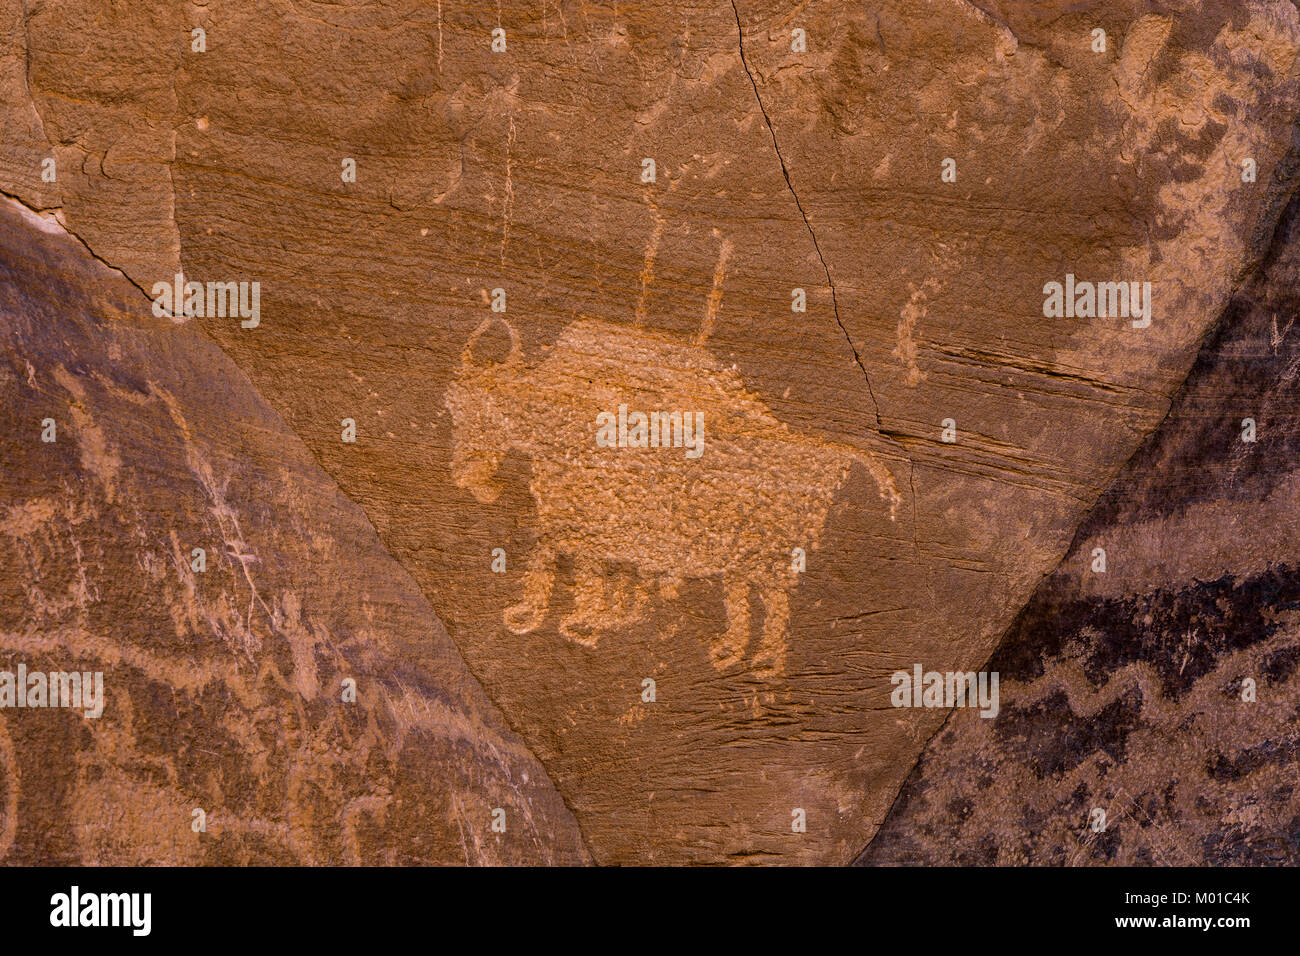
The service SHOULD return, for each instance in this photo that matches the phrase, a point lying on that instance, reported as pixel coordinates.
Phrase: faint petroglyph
(911, 314)
(97, 456)
(715, 297)
(508, 202)
(651, 251)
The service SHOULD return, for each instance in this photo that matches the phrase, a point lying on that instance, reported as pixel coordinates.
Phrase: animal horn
(516, 349)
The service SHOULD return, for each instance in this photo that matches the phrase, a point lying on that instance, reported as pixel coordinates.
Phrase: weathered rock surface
(223, 684)
(1125, 690)
(776, 171)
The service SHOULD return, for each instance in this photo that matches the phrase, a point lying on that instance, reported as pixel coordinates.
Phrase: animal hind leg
(529, 613)
(728, 648)
(770, 658)
(582, 626)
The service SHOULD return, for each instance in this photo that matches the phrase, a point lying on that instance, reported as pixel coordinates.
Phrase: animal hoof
(522, 618)
(724, 657)
(769, 670)
(578, 637)
(769, 665)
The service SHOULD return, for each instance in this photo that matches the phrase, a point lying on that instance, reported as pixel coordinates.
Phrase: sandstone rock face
(223, 686)
(1127, 691)
(824, 228)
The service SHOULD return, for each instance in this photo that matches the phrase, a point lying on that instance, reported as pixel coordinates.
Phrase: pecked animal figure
(756, 491)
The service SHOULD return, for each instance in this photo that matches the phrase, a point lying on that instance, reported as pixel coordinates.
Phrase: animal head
(478, 401)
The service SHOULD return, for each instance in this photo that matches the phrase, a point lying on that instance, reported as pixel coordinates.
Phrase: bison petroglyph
(733, 514)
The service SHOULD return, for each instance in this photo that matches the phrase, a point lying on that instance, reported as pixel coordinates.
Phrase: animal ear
(516, 349)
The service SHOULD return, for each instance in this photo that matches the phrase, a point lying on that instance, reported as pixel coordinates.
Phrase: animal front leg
(770, 658)
(627, 607)
(728, 648)
(529, 613)
(582, 626)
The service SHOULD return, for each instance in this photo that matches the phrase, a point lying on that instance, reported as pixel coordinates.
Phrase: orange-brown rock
(914, 176)
(223, 673)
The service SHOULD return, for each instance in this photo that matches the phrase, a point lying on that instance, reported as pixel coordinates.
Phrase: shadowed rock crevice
(223, 672)
(48, 214)
(785, 172)
(1123, 690)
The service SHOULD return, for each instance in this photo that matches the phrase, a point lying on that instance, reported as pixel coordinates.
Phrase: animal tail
(883, 478)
